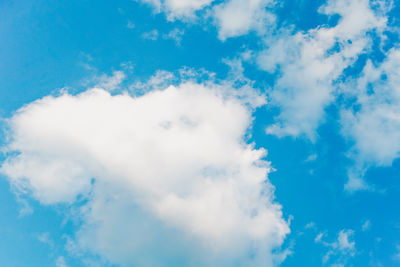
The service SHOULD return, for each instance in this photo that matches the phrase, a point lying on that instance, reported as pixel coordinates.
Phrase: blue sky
(199, 133)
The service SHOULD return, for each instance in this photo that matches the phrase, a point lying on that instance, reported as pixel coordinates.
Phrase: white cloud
(45, 239)
(151, 35)
(243, 87)
(372, 123)
(110, 83)
(167, 175)
(233, 17)
(184, 8)
(238, 17)
(310, 225)
(340, 250)
(376, 126)
(319, 237)
(355, 180)
(156, 4)
(366, 226)
(60, 262)
(178, 9)
(344, 243)
(161, 79)
(308, 65)
(311, 158)
(175, 34)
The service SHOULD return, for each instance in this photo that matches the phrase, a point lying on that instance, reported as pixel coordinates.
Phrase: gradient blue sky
(48, 46)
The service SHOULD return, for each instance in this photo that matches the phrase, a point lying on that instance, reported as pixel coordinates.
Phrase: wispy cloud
(151, 35)
(340, 250)
(176, 35)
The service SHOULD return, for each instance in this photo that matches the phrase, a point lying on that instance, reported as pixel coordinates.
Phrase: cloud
(355, 180)
(375, 125)
(176, 35)
(243, 88)
(60, 262)
(372, 121)
(310, 69)
(340, 250)
(46, 239)
(396, 256)
(319, 237)
(130, 25)
(310, 225)
(178, 9)
(233, 18)
(366, 226)
(184, 8)
(110, 83)
(308, 64)
(167, 177)
(237, 17)
(344, 243)
(151, 35)
(311, 158)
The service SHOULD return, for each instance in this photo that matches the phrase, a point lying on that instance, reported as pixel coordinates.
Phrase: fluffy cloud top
(167, 176)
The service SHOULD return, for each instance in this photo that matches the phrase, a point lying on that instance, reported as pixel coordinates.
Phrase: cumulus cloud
(308, 64)
(167, 177)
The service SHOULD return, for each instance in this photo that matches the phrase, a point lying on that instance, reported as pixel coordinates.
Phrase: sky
(199, 133)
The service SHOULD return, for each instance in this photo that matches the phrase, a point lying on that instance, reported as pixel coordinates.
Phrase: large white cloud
(168, 177)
